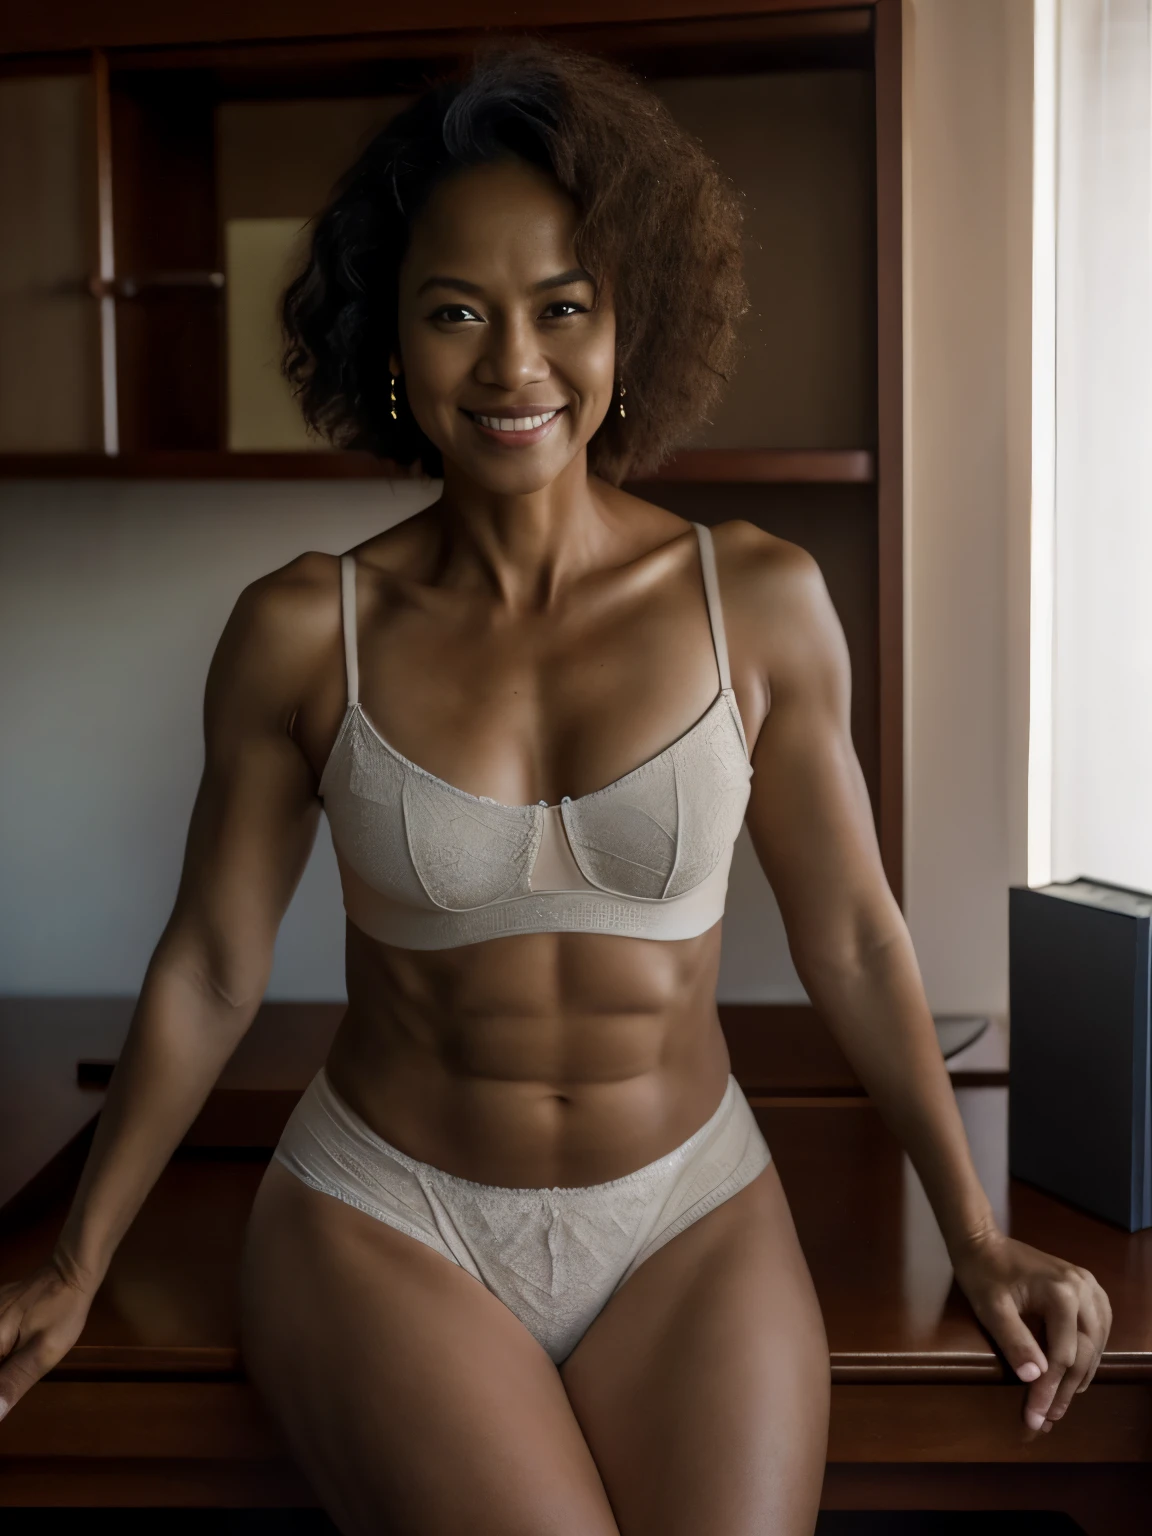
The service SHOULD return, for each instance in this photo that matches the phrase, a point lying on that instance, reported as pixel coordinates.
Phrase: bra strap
(348, 610)
(712, 594)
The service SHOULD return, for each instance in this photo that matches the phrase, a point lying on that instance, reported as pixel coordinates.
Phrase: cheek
(433, 376)
(599, 359)
(594, 371)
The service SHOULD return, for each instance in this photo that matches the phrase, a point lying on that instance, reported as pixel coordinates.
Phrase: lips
(516, 431)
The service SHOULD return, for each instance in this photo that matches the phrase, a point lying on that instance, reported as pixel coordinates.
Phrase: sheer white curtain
(1091, 784)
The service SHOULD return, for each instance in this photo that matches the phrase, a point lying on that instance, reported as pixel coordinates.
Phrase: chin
(522, 479)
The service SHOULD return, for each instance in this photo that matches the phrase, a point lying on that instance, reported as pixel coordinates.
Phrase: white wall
(112, 597)
(967, 104)
(1101, 823)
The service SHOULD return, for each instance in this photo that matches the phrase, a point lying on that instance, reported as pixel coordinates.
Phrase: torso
(545, 1058)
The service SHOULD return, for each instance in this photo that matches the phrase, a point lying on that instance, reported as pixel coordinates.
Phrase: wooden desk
(151, 1406)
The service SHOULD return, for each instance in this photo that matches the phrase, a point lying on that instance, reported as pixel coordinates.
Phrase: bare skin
(537, 633)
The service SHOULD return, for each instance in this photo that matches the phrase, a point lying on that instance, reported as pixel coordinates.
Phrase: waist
(532, 1060)
(584, 1121)
(490, 1166)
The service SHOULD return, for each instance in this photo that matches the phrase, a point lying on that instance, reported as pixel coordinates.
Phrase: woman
(522, 1262)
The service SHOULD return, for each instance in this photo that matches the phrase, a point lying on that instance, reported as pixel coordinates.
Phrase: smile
(515, 431)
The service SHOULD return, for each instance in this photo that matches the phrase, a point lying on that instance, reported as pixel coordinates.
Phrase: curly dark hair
(655, 215)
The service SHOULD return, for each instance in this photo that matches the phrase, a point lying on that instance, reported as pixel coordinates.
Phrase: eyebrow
(561, 280)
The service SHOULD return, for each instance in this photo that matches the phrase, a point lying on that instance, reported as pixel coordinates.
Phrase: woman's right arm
(251, 831)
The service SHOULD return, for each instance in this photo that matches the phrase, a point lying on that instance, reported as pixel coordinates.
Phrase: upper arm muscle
(256, 812)
(809, 815)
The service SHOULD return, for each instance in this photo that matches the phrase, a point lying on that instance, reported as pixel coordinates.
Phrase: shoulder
(778, 610)
(281, 628)
(760, 571)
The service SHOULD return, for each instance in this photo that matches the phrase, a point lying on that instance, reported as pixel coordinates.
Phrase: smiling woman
(654, 226)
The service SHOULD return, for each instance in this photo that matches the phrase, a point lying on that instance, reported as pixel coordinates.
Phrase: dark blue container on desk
(1080, 1052)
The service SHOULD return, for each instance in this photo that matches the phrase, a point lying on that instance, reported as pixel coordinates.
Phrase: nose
(511, 357)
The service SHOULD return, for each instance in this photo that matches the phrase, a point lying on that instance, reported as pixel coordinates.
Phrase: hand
(40, 1320)
(1005, 1281)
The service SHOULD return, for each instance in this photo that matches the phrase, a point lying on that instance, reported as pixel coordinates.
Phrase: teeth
(514, 423)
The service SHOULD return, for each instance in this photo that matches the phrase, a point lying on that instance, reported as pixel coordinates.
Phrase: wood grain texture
(781, 466)
(50, 351)
(890, 435)
(939, 1423)
(1106, 1499)
(79, 1482)
(169, 342)
(874, 1425)
(62, 25)
(891, 1307)
(220, 1421)
(689, 45)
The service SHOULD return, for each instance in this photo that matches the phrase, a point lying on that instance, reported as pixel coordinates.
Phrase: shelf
(781, 466)
(703, 465)
(241, 27)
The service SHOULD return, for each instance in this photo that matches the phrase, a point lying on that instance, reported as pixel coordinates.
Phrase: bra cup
(712, 774)
(368, 820)
(624, 838)
(467, 852)
(663, 830)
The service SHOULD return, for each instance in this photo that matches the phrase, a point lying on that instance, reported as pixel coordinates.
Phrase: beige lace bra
(425, 865)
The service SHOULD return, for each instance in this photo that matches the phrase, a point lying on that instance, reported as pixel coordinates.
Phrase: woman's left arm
(811, 824)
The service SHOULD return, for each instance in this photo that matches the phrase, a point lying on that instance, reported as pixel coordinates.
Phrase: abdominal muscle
(533, 1060)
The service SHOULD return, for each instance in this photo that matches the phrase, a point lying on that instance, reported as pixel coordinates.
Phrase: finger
(1060, 1315)
(1073, 1377)
(10, 1330)
(1016, 1339)
(1101, 1312)
(22, 1369)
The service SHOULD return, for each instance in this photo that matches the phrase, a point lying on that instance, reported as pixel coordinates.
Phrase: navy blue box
(1080, 1033)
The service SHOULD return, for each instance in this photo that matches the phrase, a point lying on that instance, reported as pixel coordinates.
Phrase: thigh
(414, 1401)
(703, 1386)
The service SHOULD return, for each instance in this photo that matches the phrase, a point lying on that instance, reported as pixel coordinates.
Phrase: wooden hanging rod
(131, 287)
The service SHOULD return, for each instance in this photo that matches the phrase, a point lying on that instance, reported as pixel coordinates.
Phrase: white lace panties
(552, 1256)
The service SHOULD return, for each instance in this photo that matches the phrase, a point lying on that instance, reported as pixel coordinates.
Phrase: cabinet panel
(49, 327)
(801, 149)
(169, 316)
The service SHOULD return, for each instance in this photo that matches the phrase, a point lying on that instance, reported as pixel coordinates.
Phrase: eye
(562, 309)
(454, 314)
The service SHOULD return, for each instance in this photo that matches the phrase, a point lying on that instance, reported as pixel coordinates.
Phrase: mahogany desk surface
(156, 1378)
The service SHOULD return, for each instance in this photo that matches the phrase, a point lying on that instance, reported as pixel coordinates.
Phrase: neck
(525, 547)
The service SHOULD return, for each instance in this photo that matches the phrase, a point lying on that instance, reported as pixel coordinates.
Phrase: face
(506, 348)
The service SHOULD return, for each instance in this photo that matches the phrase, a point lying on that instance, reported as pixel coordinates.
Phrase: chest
(542, 707)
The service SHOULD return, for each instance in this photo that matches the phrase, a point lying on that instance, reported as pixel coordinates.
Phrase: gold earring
(393, 379)
(622, 392)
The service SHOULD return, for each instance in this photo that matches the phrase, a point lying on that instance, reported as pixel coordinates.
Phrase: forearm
(880, 1018)
(180, 1037)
